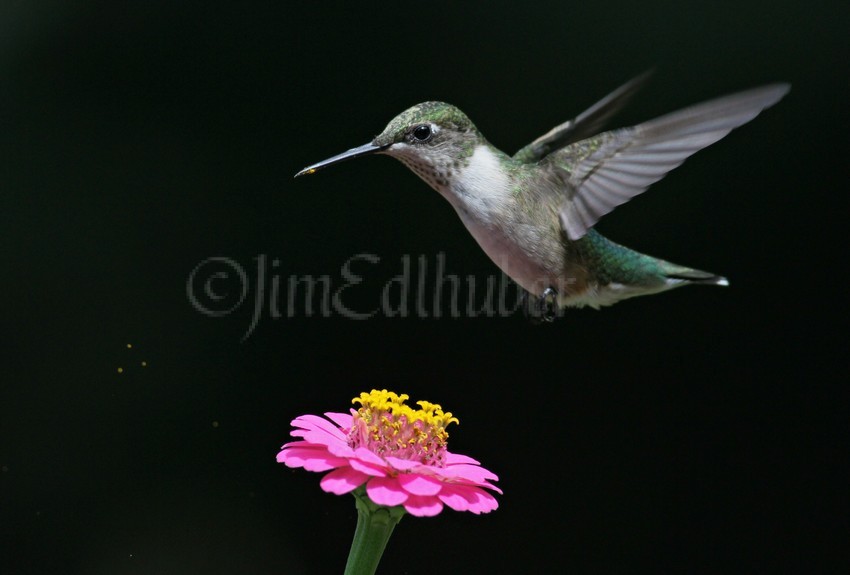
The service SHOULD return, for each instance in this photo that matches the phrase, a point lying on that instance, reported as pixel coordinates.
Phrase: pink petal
(310, 458)
(320, 435)
(301, 446)
(403, 464)
(367, 468)
(468, 498)
(472, 473)
(343, 420)
(489, 485)
(455, 498)
(455, 458)
(386, 491)
(423, 506)
(301, 443)
(368, 456)
(312, 422)
(342, 480)
(416, 484)
(341, 450)
(485, 503)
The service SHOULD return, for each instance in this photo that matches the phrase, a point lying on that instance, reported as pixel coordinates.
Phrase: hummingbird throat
(435, 176)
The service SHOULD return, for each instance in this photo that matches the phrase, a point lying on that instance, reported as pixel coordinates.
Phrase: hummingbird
(534, 213)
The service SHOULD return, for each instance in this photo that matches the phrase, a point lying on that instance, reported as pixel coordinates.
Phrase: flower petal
(343, 420)
(318, 430)
(455, 498)
(311, 458)
(310, 421)
(368, 456)
(468, 498)
(300, 443)
(368, 469)
(421, 506)
(402, 464)
(485, 502)
(474, 473)
(455, 458)
(341, 450)
(416, 484)
(490, 486)
(386, 491)
(342, 480)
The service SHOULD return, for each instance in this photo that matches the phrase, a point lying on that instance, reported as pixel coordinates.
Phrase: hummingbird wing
(586, 124)
(610, 169)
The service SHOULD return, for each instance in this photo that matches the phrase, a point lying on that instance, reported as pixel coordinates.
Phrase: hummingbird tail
(692, 276)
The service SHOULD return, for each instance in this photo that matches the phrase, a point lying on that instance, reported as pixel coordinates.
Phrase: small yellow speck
(129, 345)
(120, 370)
(215, 424)
(144, 364)
(312, 171)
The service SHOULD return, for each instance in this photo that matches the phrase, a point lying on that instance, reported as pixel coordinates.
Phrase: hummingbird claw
(542, 308)
(548, 304)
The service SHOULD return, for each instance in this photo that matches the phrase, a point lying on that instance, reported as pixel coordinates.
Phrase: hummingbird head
(432, 138)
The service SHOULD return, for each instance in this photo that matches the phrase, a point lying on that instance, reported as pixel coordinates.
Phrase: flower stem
(375, 524)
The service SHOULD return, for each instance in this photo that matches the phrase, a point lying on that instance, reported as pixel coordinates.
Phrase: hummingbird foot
(542, 308)
(548, 304)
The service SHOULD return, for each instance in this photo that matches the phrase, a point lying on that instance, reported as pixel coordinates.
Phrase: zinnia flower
(397, 453)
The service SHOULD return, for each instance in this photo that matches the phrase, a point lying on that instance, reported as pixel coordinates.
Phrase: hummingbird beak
(363, 150)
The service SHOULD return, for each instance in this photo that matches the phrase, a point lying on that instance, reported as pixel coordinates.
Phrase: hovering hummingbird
(533, 213)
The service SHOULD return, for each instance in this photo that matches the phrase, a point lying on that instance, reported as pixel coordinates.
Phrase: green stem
(375, 524)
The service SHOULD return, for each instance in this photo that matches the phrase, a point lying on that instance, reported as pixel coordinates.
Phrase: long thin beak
(363, 150)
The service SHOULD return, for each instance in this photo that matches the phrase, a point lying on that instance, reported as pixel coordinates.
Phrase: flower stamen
(385, 425)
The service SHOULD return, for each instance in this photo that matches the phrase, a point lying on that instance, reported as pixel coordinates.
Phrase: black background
(698, 431)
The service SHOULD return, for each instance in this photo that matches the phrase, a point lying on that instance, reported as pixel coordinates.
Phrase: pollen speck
(120, 370)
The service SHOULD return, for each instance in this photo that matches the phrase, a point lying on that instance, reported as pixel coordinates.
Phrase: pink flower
(398, 453)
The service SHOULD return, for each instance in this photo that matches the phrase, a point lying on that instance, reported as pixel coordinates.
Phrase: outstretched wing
(608, 170)
(586, 124)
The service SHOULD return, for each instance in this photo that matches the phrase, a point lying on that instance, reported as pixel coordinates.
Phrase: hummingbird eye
(422, 133)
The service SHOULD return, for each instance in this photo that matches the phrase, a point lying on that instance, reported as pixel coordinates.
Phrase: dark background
(698, 431)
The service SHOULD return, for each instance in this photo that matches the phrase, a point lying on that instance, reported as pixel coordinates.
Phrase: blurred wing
(586, 124)
(610, 169)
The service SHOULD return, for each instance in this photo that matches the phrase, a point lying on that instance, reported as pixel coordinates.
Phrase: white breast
(480, 190)
(482, 194)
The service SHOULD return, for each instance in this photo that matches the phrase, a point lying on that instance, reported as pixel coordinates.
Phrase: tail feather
(693, 276)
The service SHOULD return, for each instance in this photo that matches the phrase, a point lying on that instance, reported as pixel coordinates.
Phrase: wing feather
(586, 124)
(608, 170)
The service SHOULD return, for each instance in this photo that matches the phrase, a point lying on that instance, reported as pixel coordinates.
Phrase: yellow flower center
(386, 426)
